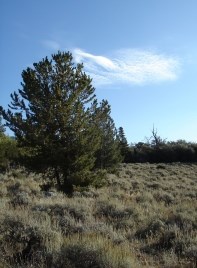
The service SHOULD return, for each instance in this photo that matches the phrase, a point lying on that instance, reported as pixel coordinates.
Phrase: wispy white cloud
(129, 66)
(50, 44)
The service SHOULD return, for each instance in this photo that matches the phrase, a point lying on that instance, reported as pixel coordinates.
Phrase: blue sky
(141, 54)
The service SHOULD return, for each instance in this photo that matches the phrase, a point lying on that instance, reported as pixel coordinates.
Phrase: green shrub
(8, 152)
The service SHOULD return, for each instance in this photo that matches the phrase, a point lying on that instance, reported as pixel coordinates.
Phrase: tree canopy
(57, 120)
(123, 145)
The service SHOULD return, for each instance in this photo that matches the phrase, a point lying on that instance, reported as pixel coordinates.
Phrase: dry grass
(145, 217)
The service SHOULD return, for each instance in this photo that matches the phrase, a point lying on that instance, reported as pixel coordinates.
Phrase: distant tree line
(158, 150)
(61, 130)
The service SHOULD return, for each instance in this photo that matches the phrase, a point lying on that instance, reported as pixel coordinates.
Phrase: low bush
(147, 220)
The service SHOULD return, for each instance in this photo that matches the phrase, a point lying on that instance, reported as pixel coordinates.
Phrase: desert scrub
(22, 182)
(113, 211)
(23, 235)
(153, 228)
(94, 251)
(20, 199)
(144, 197)
(78, 208)
(162, 196)
(145, 216)
(3, 189)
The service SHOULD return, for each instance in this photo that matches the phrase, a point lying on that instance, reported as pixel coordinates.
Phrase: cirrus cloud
(128, 66)
(51, 44)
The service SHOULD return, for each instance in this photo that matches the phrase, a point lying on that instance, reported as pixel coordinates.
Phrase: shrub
(8, 152)
(154, 227)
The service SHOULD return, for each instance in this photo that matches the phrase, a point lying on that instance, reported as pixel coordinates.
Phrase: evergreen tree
(53, 117)
(123, 144)
(108, 154)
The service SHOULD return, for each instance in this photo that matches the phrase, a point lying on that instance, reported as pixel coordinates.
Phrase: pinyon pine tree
(108, 153)
(55, 120)
(123, 145)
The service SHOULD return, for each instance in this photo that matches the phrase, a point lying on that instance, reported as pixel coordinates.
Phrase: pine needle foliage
(55, 117)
